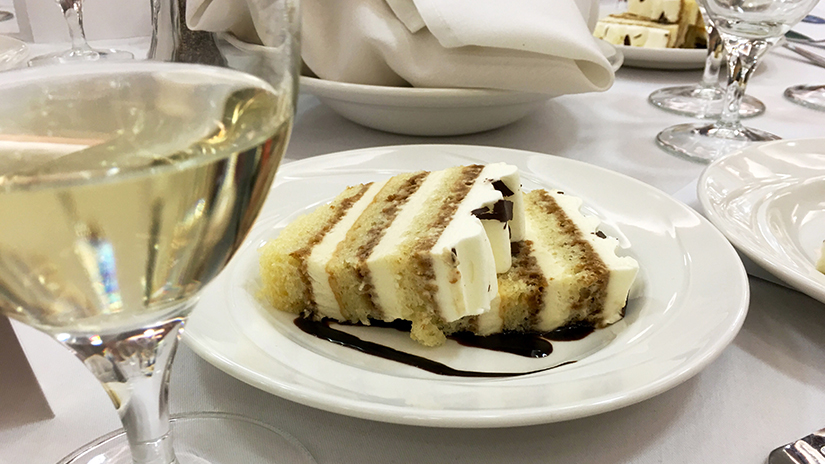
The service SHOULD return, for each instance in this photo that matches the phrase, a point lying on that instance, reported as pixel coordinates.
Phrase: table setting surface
(765, 389)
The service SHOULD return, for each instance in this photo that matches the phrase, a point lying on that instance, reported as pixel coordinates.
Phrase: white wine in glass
(124, 189)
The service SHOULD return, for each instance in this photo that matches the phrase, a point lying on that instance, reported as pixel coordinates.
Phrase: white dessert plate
(663, 58)
(656, 58)
(431, 112)
(688, 303)
(769, 200)
(12, 53)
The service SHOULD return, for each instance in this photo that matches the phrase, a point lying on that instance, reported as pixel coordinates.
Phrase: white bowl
(426, 111)
(419, 111)
(663, 58)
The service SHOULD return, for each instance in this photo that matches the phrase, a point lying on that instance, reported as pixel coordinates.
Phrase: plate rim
(648, 58)
(390, 96)
(526, 416)
(801, 282)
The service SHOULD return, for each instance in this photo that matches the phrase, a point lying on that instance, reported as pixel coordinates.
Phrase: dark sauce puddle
(528, 345)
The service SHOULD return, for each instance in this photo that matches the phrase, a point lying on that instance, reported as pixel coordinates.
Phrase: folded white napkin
(542, 46)
(246, 19)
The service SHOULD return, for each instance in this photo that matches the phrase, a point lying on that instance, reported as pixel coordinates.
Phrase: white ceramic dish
(431, 112)
(688, 303)
(769, 200)
(655, 58)
(663, 58)
(12, 53)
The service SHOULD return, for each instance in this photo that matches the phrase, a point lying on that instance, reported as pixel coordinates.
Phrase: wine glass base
(809, 96)
(703, 143)
(80, 56)
(701, 102)
(205, 438)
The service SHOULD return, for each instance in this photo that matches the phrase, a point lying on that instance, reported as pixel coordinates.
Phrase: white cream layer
(501, 234)
(325, 300)
(468, 287)
(622, 269)
(639, 35)
(511, 178)
(383, 261)
(481, 249)
(560, 289)
(654, 9)
(463, 289)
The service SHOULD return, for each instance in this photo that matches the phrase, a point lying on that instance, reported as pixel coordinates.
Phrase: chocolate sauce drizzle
(528, 345)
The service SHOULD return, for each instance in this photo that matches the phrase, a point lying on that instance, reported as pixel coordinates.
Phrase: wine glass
(125, 187)
(810, 96)
(704, 100)
(81, 50)
(748, 28)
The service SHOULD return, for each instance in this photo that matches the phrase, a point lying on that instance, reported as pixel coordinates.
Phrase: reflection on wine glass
(704, 100)
(124, 189)
(810, 96)
(81, 50)
(748, 29)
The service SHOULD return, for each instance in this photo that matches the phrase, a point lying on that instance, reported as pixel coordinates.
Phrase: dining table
(765, 389)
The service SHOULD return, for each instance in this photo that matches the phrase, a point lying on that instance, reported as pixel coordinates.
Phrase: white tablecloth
(767, 388)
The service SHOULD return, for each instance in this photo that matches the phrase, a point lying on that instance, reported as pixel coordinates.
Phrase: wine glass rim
(190, 74)
(29, 75)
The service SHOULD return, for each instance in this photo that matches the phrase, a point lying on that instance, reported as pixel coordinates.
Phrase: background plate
(769, 200)
(688, 303)
(663, 58)
(654, 58)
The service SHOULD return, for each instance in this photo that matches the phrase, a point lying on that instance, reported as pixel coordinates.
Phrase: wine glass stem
(713, 62)
(134, 369)
(73, 13)
(742, 57)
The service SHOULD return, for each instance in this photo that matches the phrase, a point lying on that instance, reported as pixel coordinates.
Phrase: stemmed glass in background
(810, 96)
(748, 28)
(125, 188)
(704, 100)
(81, 50)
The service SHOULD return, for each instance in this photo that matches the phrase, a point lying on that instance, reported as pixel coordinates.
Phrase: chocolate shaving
(502, 211)
(502, 187)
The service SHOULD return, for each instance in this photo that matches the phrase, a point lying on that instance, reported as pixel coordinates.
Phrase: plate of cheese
(657, 34)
